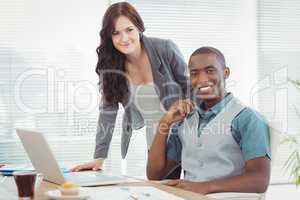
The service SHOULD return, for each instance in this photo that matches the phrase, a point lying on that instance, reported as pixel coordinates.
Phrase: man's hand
(177, 112)
(94, 165)
(197, 187)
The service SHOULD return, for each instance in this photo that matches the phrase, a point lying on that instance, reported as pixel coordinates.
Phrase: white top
(148, 103)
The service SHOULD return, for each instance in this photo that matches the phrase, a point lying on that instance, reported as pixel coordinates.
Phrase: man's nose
(202, 77)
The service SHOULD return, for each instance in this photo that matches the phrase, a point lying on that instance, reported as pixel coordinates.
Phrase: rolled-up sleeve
(253, 134)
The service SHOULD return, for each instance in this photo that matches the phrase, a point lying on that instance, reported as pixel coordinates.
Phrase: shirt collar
(216, 108)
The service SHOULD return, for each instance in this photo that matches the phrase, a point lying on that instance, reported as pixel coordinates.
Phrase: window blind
(47, 79)
(278, 28)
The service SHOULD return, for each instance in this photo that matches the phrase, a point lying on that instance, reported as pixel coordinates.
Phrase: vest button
(201, 164)
(199, 144)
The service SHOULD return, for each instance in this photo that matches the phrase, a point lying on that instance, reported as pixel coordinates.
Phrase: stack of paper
(236, 196)
(130, 193)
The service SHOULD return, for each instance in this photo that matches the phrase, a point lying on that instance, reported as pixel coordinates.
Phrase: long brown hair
(111, 62)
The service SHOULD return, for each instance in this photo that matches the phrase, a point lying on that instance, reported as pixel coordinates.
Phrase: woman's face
(125, 36)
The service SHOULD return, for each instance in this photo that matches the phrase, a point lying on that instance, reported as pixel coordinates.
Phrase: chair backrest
(275, 138)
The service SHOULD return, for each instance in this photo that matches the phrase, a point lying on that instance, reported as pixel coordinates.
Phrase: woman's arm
(106, 123)
(179, 67)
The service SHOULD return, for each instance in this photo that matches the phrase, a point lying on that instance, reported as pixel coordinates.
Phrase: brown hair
(111, 62)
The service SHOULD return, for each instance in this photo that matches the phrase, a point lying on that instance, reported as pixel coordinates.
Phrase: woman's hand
(94, 165)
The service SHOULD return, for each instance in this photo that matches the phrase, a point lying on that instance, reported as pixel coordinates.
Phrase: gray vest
(214, 154)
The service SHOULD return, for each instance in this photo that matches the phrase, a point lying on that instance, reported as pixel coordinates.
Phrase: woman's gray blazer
(169, 76)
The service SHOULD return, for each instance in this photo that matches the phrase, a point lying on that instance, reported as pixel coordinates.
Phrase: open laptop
(44, 162)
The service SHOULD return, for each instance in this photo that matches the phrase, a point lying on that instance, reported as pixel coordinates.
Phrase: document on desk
(7, 170)
(236, 196)
(130, 193)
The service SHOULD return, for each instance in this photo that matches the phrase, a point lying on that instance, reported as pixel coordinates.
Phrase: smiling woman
(131, 64)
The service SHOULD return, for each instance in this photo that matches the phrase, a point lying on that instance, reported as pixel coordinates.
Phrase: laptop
(44, 162)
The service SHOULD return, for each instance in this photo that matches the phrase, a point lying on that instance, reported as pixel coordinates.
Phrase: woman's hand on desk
(94, 165)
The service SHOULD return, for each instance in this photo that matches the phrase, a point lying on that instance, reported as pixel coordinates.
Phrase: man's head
(208, 72)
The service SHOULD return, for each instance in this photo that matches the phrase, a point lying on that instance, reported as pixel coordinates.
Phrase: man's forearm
(255, 179)
(249, 182)
(157, 154)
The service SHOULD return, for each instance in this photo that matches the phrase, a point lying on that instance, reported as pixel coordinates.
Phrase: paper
(236, 196)
(130, 193)
(8, 169)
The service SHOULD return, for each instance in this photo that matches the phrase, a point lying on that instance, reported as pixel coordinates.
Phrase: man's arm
(158, 165)
(254, 180)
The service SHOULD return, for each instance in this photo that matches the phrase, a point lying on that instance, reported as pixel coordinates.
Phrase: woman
(131, 65)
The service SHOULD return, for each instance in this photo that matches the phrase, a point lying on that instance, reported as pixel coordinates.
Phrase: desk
(8, 190)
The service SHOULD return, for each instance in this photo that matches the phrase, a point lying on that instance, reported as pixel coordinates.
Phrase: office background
(47, 62)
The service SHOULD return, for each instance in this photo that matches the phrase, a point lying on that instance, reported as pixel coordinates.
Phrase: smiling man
(222, 145)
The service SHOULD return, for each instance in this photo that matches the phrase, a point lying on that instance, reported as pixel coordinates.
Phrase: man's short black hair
(211, 50)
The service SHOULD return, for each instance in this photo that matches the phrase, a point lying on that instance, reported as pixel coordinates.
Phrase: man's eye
(210, 71)
(193, 73)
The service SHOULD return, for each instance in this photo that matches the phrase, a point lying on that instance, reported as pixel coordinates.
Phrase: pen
(133, 197)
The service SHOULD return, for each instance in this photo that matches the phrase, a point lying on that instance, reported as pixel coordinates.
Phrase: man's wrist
(164, 126)
(210, 187)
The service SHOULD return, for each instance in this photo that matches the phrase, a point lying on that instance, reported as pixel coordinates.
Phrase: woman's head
(120, 35)
(122, 26)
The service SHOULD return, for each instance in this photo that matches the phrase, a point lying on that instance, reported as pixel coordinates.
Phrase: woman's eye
(129, 30)
(115, 33)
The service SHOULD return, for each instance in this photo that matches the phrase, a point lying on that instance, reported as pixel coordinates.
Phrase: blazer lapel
(154, 58)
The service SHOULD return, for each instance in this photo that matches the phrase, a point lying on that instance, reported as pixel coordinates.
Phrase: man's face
(207, 77)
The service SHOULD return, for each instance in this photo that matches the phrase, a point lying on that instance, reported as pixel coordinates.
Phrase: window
(47, 79)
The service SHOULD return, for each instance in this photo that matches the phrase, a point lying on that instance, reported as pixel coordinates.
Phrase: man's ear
(226, 72)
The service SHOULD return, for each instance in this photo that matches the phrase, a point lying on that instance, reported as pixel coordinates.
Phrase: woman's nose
(124, 37)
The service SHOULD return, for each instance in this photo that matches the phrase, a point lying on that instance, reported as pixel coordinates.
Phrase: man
(222, 145)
